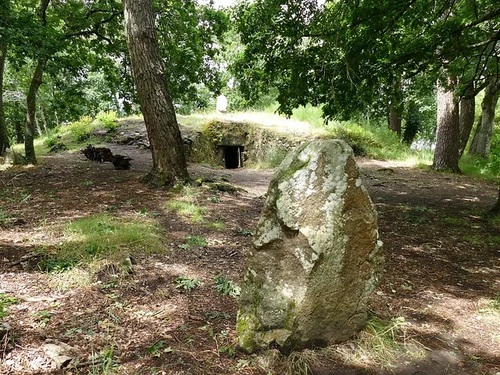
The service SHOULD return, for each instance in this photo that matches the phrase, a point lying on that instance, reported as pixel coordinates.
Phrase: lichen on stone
(317, 254)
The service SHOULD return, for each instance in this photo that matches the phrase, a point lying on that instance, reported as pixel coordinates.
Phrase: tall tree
(35, 83)
(481, 142)
(169, 163)
(30, 133)
(467, 112)
(59, 36)
(412, 122)
(446, 154)
(190, 36)
(4, 23)
(344, 55)
(396, 107)
(4, 139)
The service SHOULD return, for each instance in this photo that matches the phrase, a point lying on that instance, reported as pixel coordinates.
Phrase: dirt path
(441, 278)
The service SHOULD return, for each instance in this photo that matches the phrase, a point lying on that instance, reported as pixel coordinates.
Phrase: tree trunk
(169, 163)
(467, 111)
(19, 131)
(44, 120)
(448, 129)
(29, 137)
(4, 139)
(481, 142)
(412, 122)
(396, 108)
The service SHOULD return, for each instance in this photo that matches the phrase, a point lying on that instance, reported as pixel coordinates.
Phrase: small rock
(60, 353)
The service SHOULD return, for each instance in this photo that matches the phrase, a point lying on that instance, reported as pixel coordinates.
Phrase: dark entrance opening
(233, 156)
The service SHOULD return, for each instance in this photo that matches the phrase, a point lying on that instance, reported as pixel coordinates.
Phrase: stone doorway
(232, 156)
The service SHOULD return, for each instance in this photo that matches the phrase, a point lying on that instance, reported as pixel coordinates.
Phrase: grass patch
(379, 344)
(5, 218)
(494, 220)
(494, 304)
(39, 144)
(100, 237)
(78, 131)
(217, 225)
(483, 240)
(189, 210)
(73, 135)
(193, 241)
(196, 241)
(486, 169)
(456, 221)
(185, 203)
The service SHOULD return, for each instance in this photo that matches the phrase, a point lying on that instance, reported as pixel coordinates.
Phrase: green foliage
(495, 304)
(196, 241)
(244, 232)
(186, 283)
(81, 130)
(43, 317)
(109, 120)
(225, 286)
(193, 241)
(190, 51)
(359, 138)
(227, 350)
(5, 301)
(57, 265)
(157, 348)
(5, 218)
(347, 56)
(54, 144)
(217, 225)
(105, 363)
(487, 168)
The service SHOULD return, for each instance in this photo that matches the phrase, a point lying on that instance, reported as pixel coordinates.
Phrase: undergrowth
(5, 301)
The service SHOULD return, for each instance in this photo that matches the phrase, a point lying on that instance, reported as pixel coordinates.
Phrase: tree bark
(18, 124)
(36, 81)
(446, 154)
(396, 108)
(4, 139)
(29, 136)
(412, 122)
(467, 111)
(169, 163)
(481, 142)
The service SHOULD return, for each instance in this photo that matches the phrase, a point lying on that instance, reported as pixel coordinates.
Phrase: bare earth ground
(442, 269)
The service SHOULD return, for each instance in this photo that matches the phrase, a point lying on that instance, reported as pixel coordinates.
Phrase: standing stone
(316, 256)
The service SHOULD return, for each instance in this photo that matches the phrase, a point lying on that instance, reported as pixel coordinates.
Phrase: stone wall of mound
(260, 147)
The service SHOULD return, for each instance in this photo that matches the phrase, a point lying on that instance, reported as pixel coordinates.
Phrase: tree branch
(95, 29)
(44, 4)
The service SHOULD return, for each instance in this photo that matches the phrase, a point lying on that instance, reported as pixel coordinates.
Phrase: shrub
(81, 130)
(108, 120)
